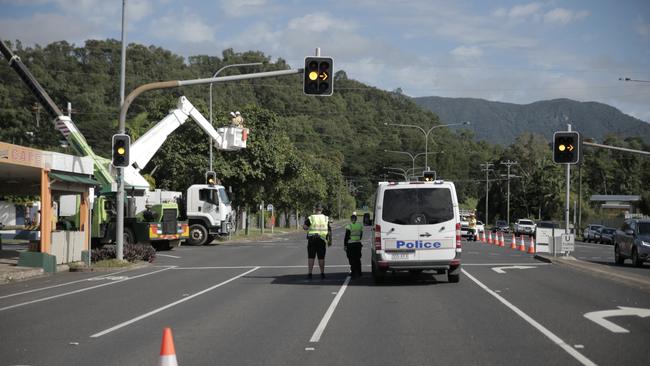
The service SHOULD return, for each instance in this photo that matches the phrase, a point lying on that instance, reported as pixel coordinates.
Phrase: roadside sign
(568, 242)
(269, 207)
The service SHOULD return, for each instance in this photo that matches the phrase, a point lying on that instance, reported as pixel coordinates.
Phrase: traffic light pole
(568, 190)
(167, 85)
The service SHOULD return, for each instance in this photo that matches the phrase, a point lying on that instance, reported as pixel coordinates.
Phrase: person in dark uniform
(352, 245)
(318, 232)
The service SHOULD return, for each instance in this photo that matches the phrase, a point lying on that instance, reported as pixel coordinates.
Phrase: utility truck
(206, 208)
(161, 225)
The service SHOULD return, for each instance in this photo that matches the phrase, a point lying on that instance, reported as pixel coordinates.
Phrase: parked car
(590, 232)
(606, 235)
(632, 240)
(501, 225)
(524, 226)
(480, 227)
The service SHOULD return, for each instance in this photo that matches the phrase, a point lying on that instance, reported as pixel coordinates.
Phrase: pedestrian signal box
(319, 76)
(121, 145)
(566, 147)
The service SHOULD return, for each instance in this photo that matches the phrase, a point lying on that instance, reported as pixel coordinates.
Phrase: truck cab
(209, 213)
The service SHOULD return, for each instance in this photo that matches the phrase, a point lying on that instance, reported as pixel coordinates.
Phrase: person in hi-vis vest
(352, 245)
(318, 234)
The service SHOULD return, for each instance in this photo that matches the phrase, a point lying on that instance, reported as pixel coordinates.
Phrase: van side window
(417, 206)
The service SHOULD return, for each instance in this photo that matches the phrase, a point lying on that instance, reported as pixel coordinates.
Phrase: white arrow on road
(501, 269)
(598, 317)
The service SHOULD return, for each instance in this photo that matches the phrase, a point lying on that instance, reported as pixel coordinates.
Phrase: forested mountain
(301, 149)
(501, 123)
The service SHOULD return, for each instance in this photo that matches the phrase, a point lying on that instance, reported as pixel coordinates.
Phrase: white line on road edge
(128, 322)
(328, 314)
(244, 267)
(63, 284)
(167, 255)
(550, 335)
(80, 290)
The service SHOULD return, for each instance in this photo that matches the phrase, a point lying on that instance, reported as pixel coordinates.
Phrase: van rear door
(423, 219)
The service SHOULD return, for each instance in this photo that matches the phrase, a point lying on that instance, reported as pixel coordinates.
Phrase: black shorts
(316, 246)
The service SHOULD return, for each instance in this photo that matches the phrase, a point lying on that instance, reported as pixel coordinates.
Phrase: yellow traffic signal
(121, 144)
(318, 79)
(566, 147)
(211, 178)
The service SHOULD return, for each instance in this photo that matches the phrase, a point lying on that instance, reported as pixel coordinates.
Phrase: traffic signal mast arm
(144, 148)
(61, 122)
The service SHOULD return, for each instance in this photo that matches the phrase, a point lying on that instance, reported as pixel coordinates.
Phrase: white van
(416, 227)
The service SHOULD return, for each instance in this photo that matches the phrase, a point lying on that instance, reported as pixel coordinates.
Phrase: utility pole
(486, 167)
(508, 163)
(568, 190)
(119, 232)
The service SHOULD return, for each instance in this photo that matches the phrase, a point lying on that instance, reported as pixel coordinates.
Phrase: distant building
(616, 205)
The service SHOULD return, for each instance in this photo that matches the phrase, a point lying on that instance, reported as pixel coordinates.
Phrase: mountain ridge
(592, 119)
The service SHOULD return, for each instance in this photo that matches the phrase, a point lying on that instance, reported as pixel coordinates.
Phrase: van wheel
(453, 278)
(377, 275)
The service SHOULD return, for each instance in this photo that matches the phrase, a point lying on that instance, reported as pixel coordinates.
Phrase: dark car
(606, 235)
(632, 240)
(502, 226)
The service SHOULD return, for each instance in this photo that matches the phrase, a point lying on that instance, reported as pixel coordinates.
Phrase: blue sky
(508, 51)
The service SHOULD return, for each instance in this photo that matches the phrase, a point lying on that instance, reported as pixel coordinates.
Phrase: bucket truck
(206, 207)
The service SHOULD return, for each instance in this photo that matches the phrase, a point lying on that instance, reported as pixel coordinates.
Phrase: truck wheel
(377, 275)
(636, 260)
(453, 275)
(198, 235)
(128, 236)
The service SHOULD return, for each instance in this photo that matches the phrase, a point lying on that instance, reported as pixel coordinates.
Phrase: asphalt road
(604, 254)
(251, 304)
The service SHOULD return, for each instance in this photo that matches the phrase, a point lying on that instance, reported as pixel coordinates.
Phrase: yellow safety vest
(356, 230)
(318, 225)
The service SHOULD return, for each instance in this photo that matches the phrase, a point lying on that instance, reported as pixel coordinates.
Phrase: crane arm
(145, 147)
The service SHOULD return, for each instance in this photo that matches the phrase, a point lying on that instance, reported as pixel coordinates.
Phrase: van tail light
(377, 237)
(458, 245)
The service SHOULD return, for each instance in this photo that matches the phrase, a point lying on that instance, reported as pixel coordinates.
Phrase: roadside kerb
(598, 270)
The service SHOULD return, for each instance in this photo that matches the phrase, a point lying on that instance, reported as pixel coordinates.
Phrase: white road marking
(63, 284)
(579, 346)
(167, 255)
(155, 311)
(244, 267)
(598, 317)
(80, 290)
(550, 335)
(328, 314)
(309, 348)
(505, 264)
(501, 269)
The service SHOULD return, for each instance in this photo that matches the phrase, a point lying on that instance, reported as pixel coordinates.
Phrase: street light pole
(486, 168)
(426, 136)
(413, 157)
(214, 76)
(509, 163)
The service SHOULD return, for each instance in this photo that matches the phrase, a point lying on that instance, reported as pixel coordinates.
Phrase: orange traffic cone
(531, 248)
(522, 245)
(502, 242)
(490, 238)
(480, 236)
(167, 351)
(513, 243)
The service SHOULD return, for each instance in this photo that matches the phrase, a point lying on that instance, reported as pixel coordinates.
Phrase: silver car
(632, 241)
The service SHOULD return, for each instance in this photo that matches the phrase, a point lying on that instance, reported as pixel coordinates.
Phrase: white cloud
(564, 16)
(47, 28)
(522, 11)
(238, 8)
(186, 28)
(319, 22)
(463, 52)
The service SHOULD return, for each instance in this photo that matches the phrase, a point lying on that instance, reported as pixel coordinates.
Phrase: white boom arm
(225, 138)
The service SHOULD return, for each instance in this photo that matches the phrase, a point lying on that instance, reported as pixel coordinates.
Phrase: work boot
(322, 276)
(309, 276)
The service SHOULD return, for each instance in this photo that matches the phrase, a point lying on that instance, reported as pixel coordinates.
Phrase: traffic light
(211, 178)
(318, 79)
(428, 176)
(121, 144)
(566, 147)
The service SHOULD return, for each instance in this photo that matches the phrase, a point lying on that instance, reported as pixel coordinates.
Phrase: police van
(416, 228)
